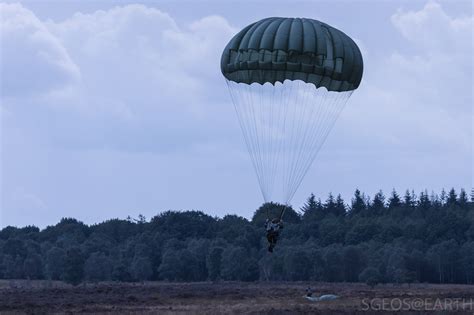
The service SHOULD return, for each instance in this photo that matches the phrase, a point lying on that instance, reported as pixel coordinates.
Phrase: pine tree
(452, 198)
(340, 208)
(442, 197)
(310, 205)
(319, 206)
(358, 203)
(435, 199)
(330, 205)
(313, 209)
(463, 198)
(394, 201)
(408, 200)
(424, 201)
(141, 218)
(378, 204)
(414, 197)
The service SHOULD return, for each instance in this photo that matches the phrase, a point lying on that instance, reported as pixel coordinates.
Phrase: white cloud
(418, 97)
(136, 53)
(143, 78)
(33, 60)
(434, 30)
(443, 55)
(442, 66)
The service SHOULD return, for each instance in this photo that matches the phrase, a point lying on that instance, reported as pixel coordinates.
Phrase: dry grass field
(45, 297)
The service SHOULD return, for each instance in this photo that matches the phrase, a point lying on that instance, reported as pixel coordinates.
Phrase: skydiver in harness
(273, 228)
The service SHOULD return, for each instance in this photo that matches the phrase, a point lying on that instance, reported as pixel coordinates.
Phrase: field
(46, 297)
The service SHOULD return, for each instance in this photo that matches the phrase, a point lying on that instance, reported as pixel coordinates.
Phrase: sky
(117, 108)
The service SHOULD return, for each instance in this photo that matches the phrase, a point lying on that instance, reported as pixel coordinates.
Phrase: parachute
(289, 79)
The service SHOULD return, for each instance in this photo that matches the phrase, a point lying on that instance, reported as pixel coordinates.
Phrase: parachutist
(273, 228)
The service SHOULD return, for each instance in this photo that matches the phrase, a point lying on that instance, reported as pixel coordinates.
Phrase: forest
(401, 238)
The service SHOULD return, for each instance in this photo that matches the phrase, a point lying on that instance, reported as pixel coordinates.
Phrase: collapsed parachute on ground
(289, 79)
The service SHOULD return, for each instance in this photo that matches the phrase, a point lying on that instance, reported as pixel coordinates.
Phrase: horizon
(432, 196)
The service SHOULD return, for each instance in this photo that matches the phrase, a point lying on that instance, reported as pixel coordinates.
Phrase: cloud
(146, 84)
(446, 64)
(418, 98)
(442, 65)
(33, 60)
(433, 30)
(137, 54)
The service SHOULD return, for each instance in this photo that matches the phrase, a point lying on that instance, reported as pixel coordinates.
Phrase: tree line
(399, 239)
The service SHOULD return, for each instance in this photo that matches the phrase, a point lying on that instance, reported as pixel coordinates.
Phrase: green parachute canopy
(277, 49)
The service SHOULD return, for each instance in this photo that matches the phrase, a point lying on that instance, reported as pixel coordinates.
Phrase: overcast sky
(111, 109)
